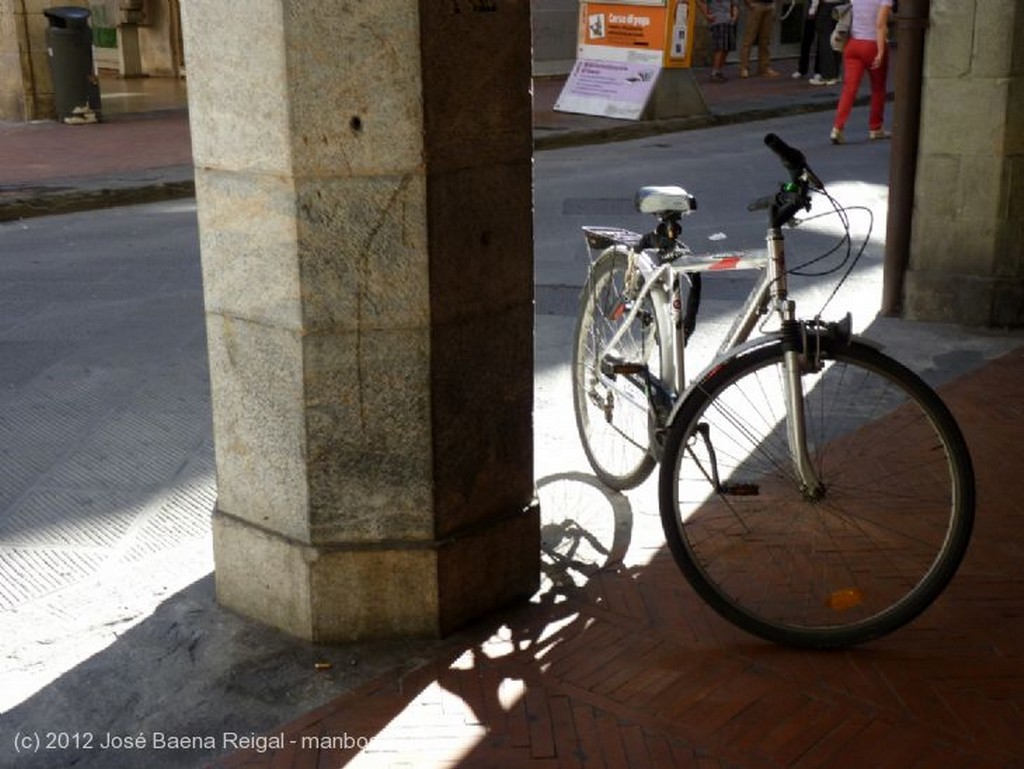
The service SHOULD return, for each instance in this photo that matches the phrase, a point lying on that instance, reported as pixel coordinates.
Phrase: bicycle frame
(662, 279)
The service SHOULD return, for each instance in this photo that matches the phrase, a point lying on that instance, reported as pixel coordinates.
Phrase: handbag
(843, 16)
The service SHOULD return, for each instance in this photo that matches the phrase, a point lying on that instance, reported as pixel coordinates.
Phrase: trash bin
(69, 49)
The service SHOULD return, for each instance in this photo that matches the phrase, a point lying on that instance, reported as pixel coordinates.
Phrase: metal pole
(911, 26)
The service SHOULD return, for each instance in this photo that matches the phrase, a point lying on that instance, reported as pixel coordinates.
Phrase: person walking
(760, 20)
(828, 59)
(721, 16)
(807, 39)
(865, 51)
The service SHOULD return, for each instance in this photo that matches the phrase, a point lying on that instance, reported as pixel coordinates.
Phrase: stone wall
(13, 102)
(967, 250)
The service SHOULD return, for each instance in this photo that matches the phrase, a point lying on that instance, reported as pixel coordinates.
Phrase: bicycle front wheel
(612, 413)
(846, 565)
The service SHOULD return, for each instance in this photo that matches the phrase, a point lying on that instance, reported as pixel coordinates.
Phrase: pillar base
(967, 299)
(675, 95)
(341, 593)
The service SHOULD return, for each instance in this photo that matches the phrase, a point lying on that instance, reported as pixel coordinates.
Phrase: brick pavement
(40, 153)
(631, 670)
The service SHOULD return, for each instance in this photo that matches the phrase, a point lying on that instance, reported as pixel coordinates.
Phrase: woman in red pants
(865, 50)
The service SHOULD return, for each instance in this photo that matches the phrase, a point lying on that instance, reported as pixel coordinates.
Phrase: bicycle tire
(867, 557)
(613, 417)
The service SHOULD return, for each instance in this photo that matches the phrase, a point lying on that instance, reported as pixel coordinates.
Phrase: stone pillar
(129, 55)
(364, 182)
(967, 250)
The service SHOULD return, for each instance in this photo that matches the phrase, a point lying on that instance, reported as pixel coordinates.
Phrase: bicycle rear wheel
(865, 557)
(612, 414)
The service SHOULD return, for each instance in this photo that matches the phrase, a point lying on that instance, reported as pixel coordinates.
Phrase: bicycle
(813, 491)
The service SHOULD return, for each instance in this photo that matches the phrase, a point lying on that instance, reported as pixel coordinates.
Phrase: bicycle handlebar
(793, 160)
(794, 195)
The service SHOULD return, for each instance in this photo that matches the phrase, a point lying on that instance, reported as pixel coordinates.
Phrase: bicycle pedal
(740, 489)
(612, 366)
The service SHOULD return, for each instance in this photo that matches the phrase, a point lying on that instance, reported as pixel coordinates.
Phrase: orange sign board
(625, 31)
(624, 26)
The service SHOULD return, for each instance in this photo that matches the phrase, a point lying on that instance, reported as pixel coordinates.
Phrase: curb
(642, 130)
(45, 201)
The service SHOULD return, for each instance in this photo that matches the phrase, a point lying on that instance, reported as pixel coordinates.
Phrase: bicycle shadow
(514, 693)
(585, 527)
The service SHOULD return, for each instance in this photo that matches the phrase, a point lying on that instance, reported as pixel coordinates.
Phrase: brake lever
(813, 181)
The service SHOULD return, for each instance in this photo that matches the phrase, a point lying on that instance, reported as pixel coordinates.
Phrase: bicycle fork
(794, 363)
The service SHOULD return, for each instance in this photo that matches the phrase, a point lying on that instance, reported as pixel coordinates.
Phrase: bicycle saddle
(664, 200)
